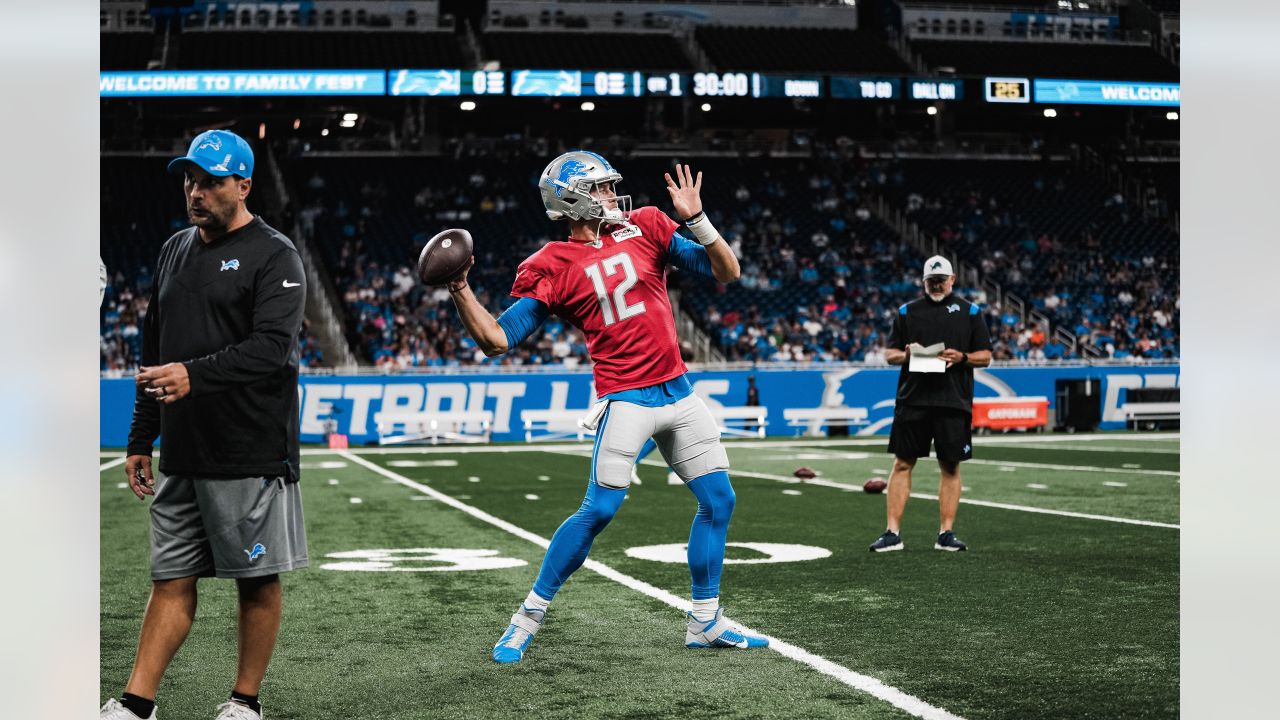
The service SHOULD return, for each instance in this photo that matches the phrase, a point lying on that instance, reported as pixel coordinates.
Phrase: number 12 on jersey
(629, 279)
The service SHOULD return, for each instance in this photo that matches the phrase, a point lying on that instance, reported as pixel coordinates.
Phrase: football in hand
(874, 485)
(444, 256)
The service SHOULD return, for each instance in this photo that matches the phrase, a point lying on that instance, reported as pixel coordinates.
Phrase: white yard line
(1076, 468)
(1086, 448)
(1087, 516)
(908, 703)
(111, 463)
(925, 496)
(1032, 465)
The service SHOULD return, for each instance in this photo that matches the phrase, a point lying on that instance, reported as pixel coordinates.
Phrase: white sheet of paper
(925, 359)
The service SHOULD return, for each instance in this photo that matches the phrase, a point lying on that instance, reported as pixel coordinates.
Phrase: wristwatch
(965, 358)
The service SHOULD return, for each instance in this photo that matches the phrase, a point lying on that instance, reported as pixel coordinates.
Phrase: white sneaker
(674, 479)
(635, 477)
(113, 710)
(236, 711)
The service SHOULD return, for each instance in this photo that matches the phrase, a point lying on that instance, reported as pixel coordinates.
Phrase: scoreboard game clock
(1007, 90)
(728, 84)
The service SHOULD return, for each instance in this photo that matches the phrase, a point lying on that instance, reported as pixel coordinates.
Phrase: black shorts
(914, 428)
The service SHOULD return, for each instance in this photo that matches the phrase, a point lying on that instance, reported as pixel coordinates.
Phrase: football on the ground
(804, 473)
(875, 485)
(444, 256)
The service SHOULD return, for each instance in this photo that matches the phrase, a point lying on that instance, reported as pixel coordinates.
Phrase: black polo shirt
(230, 310)
(958, 324)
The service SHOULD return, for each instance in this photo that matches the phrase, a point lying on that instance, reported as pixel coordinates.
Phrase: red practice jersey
(615, 291)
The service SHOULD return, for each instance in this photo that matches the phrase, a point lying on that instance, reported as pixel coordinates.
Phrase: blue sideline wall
(357, 399)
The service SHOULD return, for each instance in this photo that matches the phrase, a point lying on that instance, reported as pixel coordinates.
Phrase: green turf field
(1070, 613)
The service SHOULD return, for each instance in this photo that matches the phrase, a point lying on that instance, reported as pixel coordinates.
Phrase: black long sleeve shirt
(230, 310)
(958, 324)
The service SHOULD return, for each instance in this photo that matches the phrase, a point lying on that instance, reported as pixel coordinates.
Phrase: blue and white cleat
(524, 625)
(718, 633)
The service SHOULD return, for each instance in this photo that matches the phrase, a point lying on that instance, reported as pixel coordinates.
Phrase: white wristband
(704, 231)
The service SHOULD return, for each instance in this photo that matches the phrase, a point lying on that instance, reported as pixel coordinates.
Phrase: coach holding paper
(219, 385)
(935, 396)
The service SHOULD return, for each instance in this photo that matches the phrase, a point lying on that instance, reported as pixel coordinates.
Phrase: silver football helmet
(567, 183)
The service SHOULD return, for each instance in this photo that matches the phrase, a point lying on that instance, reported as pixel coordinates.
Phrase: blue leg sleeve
(572, 541)
(709, 531)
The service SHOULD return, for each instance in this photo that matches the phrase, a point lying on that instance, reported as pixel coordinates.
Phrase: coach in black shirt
(934, 407)
(219, 386)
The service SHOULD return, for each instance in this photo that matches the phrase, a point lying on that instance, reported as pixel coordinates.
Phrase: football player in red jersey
(608, 278)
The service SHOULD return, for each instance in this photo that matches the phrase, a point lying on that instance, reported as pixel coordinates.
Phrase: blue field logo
(232, 264)
(258, 551)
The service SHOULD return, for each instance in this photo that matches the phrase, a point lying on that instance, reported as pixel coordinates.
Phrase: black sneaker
(947, 541)
(886, 542)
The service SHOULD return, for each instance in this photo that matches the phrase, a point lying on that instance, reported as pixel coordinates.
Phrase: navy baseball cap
(218, 152)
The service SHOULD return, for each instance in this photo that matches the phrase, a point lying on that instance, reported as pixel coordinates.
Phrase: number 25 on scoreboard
(629, 279)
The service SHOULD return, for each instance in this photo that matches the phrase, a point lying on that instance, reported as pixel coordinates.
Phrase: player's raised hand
(685, 191)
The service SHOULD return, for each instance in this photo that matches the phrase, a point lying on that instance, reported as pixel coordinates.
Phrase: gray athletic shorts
(239, 528)
(685, 432)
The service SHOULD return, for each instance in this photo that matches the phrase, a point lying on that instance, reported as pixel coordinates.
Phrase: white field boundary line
(1038, 466)
(925, 496)
(908, 703)
(1077, 468)
(1085, 448)
(1087, 516)
(111, 463)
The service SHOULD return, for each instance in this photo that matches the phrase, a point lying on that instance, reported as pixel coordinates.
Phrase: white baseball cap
(937, 265)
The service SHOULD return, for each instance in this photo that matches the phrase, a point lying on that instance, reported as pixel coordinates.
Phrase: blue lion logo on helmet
(570, 168)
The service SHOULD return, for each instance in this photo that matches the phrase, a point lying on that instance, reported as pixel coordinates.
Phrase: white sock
(705, 610)
(535, 602)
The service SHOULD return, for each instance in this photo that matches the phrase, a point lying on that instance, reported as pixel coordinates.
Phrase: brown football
(874, 485)
(444, 256)
(804, 473)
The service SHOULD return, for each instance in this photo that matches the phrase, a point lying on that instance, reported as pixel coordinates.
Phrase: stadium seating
(370, 232)
(582, 50)
(1055, 236)
(126, 50)
(822, 275)
(141, 207)
(797, 50)
(1048, 59)
(318, 49)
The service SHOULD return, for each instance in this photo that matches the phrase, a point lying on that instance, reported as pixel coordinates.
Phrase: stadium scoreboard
(564, 83)
(445, 83)
(864, 88)
(1007, 90)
